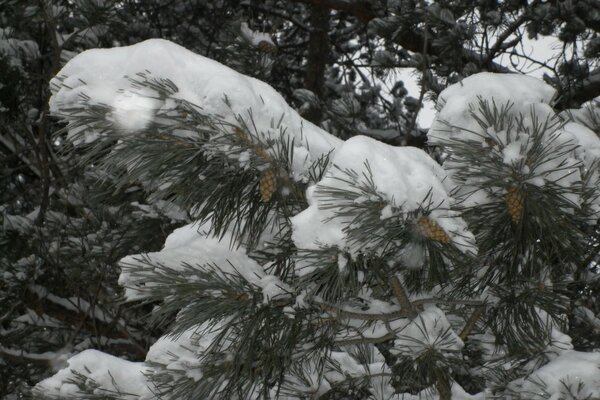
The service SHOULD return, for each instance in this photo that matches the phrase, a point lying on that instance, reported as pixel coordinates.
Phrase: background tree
(62, 231)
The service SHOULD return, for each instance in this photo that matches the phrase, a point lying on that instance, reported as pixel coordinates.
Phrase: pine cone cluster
(432, 230)
(515, 200)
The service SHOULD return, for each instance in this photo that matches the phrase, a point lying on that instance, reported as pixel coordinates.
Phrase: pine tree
(336, 61)
(322, 268)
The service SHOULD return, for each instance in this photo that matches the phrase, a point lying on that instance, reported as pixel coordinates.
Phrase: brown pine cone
(515, 200)
(431, 230)
(267, 184)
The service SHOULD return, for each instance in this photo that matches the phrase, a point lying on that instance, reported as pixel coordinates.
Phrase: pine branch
(402, 297)
(340, 312)
(472, 322)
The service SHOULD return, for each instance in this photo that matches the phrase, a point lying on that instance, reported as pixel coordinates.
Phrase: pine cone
(432, 230)
(259, 151)
(240, 134)
(268, 185)
(267, 47)
(515, 200)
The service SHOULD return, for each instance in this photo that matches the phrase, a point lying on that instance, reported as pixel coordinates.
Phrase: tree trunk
(318, 53)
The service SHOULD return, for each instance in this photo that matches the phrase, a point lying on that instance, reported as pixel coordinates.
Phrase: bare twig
(363, 340)
(402, 297)
(477, 313)
(363, 316)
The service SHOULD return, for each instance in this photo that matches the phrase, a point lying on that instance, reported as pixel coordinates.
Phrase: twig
(363, 316)
(443, 385)
(463, 302)
(510, 29)
(363, 340)
(24, 358)
(400, 294)
(477, 313)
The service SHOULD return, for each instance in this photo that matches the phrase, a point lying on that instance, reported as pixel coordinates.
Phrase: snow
(456, 102)
(344, 365)
(254, 37)
(75, 304)
(430, 329)
(192, 246)
(588, 141)
(412, 256)
(170, 210)
(577, 147)
(110, 373)
(512, 152)
(382, 390)
(133, 111)
(565, 372)
(103, 76)
(406, 178)
(184, 351)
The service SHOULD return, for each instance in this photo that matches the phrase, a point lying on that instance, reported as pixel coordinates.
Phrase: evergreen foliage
(368, 272)
(70, 210)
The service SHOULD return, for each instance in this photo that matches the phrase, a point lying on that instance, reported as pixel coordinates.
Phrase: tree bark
(318, 54)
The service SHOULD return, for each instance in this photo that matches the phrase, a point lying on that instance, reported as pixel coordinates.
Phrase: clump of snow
(109, 373)
(194, 246)
(170, 210)
(183, 352)
(272, 287)
(456, 102)
(17, 223)
(254, 37)
(133, 111)
(412, 256)
(559, 341)
(383, 390)
(102, 76)
(344, 365)
(574, 371)
(430, 329)
(588, 141)
(406, 178)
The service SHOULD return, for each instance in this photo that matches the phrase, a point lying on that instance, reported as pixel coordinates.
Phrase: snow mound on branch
(406, 178)
(184, 352)
(254, 37)
(193, 246)
(526, 94)
(530, 102)
(572, 373)
(431, 329)
(456, 102)
(103, 77)
(110, 374)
